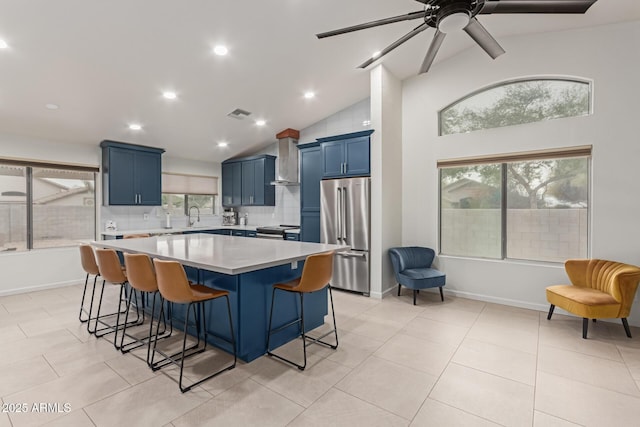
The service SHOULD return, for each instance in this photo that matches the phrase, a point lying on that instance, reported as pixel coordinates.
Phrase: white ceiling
(106, 64)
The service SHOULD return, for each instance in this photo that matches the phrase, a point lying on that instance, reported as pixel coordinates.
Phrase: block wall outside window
(44, 207)
(531, 210)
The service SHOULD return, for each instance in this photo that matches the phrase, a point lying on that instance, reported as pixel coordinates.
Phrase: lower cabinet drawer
(238, 233)
(292, 236)
(251, 233)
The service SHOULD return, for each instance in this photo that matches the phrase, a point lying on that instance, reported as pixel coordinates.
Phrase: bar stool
(112, 272)
(316, 275)
(174, 287)
(142, 278)
(88, 260)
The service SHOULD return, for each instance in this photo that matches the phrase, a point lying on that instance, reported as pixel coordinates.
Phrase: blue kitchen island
(247, 268)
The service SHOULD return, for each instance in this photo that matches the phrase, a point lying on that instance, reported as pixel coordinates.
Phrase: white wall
(386, 176)
(355, 118)
(45, 268)
(607, 55)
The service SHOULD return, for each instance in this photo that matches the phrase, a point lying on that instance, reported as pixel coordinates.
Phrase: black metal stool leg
(305, 340)
(550, 311)
(585, 326)
(399, 287)
(302, 332)
(84, 292)
(441, 294)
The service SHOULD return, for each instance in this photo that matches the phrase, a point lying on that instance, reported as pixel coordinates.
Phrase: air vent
(239, 114)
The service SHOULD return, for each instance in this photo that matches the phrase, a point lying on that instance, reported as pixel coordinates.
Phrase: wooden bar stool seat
(174, 287)
(89, 265)
(141, 277)
(316, 274)
(112, 272)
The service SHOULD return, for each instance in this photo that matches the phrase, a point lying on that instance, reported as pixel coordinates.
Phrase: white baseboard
(496, 300)
(35, 288)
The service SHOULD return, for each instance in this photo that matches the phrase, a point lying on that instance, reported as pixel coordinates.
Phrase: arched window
(517, 102)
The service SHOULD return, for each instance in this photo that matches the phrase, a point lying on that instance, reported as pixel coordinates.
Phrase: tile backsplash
(133, 218)
(286, 210)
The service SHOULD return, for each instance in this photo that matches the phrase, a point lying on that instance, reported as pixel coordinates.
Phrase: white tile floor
(457, 363)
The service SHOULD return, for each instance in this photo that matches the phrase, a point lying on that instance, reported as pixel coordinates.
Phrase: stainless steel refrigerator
(345, 219)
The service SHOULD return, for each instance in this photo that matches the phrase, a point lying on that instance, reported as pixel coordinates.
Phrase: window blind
(175, 183)
(555, 153)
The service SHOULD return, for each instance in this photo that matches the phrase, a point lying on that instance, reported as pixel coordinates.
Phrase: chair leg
(415, 292)
(550, 311)
(305, 340)
(585, 326)
(333, 314)
(84, 292)
(441, 294)
(399, 286)
(626, 327)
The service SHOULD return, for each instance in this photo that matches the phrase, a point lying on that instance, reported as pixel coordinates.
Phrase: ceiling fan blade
(385, 21)
(395, 44)
(483, 38)
(438, 38)
(536, 6)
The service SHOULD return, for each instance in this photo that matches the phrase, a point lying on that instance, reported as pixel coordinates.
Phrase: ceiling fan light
(453, 22)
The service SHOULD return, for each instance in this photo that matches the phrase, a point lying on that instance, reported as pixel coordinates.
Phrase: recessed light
(169, 95)
(3, 44)
(52, 106)
(135, 126)
(220, 50)
(376, 54)
(309, 95)
(261, 122)
(223, 144)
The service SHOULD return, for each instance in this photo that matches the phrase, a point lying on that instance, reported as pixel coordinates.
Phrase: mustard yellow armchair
(599, 290)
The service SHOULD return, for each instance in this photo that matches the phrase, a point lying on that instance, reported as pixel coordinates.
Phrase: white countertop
(222, 254)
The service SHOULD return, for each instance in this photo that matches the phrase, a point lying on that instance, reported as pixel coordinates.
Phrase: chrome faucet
(191, 222)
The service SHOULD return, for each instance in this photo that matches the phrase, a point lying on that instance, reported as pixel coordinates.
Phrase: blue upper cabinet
(131, 174)
(247, 181)
(346, 155)
(310, 176)
(232, 184)
(311, 167)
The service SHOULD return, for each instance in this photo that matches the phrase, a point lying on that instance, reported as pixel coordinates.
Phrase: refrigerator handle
(339, 214)
(344, 214)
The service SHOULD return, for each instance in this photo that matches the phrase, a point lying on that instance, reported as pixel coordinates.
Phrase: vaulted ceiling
(105, 64)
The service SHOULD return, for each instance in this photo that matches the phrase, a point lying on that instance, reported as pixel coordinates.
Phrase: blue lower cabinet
(239, 233)
(292, 236)
(251, 233)
(310, 226)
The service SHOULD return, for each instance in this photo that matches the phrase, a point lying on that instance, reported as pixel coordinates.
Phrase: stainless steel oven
(274, 231)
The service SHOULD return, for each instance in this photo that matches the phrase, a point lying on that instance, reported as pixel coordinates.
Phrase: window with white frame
(180, 192)
(45, 205)
(516, 102)
(529, 206)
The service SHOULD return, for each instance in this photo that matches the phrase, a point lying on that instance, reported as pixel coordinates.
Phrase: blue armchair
(412, 267)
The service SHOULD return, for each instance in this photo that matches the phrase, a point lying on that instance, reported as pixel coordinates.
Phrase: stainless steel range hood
(287, 172)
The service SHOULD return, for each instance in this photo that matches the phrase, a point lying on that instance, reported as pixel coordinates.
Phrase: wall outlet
(145, 216)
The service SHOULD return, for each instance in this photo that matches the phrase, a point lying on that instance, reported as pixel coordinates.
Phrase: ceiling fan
(453, 15)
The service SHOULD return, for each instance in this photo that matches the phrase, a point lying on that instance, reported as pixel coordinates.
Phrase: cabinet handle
(345, 167)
